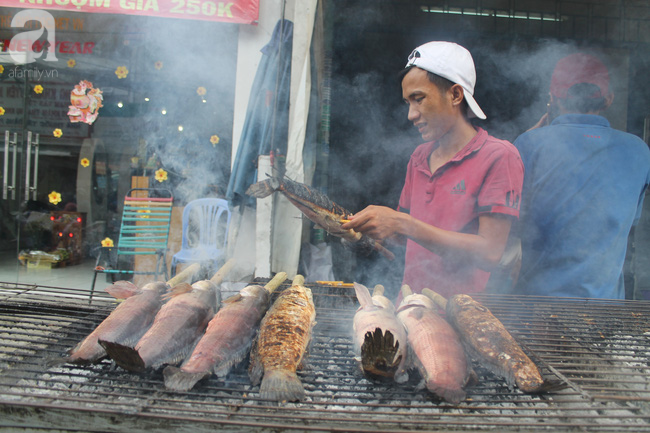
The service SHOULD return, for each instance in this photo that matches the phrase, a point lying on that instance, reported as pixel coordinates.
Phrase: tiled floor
(78, 276)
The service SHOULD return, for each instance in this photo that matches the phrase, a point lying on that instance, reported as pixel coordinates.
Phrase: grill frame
(598, 349)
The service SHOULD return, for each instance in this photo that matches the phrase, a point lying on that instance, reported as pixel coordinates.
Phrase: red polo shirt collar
(474, 145)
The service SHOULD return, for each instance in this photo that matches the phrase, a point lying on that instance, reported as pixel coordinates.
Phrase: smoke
(371, 138)
(174, 108)
(512, 82)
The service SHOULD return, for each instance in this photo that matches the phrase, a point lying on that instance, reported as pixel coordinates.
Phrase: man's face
(430, 110)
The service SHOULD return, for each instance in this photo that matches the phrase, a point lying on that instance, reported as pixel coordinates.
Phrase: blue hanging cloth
(266, 126)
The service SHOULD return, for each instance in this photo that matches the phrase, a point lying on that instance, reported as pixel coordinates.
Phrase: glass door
(43, 222)
(126, 97)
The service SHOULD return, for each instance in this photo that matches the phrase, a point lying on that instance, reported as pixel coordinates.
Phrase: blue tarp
(267, 117)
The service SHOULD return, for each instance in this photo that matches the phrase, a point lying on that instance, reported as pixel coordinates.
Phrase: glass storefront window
(129, 101)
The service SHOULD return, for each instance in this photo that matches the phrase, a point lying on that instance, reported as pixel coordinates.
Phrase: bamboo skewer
(275, 282)
(435, 297)
(298, 280)
(406, 291)
(218, 277)
(185, 274)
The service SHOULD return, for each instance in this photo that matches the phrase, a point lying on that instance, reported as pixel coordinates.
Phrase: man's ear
(457, 94)
(609, 98)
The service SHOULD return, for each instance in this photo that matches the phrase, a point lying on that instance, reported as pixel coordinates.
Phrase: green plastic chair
(144, 230)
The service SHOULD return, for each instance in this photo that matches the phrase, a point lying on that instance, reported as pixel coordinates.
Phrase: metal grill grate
(598, 350)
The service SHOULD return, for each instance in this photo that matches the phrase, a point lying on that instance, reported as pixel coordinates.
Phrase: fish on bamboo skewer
(281, 344)
(437, 351)
(489, 342)
(380, 342)
(176, 328)
(321, 210)
(228, 337)
(128, 322)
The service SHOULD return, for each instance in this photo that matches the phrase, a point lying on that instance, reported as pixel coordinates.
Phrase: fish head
(207, 292)
(464, 303)
(158, 287)
(310, 296)
(383, 302)
(416, 300)
(253, 290)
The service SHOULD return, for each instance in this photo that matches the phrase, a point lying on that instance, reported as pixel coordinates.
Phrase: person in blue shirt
(584, 184)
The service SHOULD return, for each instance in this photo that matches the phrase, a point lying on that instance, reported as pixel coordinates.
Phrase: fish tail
(179, 380)
(281, 385)
(363, 295)
(55, 362)
(126, 357)
(261, 189)
(122, 289)
(450, 395)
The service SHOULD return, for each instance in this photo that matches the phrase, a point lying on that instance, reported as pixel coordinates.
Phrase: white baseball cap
(450, 61)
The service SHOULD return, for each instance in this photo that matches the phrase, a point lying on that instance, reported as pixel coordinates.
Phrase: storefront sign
(236, 11)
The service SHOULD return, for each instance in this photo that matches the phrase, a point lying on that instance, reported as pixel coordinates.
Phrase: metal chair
(144, 230)
(205, 232)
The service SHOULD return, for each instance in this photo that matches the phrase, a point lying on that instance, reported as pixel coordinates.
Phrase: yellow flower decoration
(161, 175)
(144, 211)
(158, 65)
(38, 89)
(214, 140)
(108, 242)
(121, 72)
(84, 162)
(54, 197)
(57, 132)
(201, 91)
(2, 69)
(72, 63)
(2, 111)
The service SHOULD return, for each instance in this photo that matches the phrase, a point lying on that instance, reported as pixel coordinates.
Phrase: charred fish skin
(491, 344)
(283, 338)
(380, 342)
(321, 210)
(176, 328)
(125, 324)
(437, 351)
(226, 342)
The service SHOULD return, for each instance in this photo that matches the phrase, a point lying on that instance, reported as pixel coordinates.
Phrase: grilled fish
(436, 348)
(228, 337)
(282, 341)
(488, 341)
(127, 322)
(380, 342)
(176, 328)
(319, 209)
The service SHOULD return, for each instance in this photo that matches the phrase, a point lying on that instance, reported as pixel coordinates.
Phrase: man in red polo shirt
(462, 188)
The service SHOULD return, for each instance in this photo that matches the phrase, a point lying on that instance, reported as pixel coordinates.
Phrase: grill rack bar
(579, 339)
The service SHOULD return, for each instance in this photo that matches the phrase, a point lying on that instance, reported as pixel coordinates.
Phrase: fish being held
(228, 337)
(436, 348)
(285, 333)
(320, 209)
(488, 341)
(128, 321)
(380, 342)
(177, 327)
